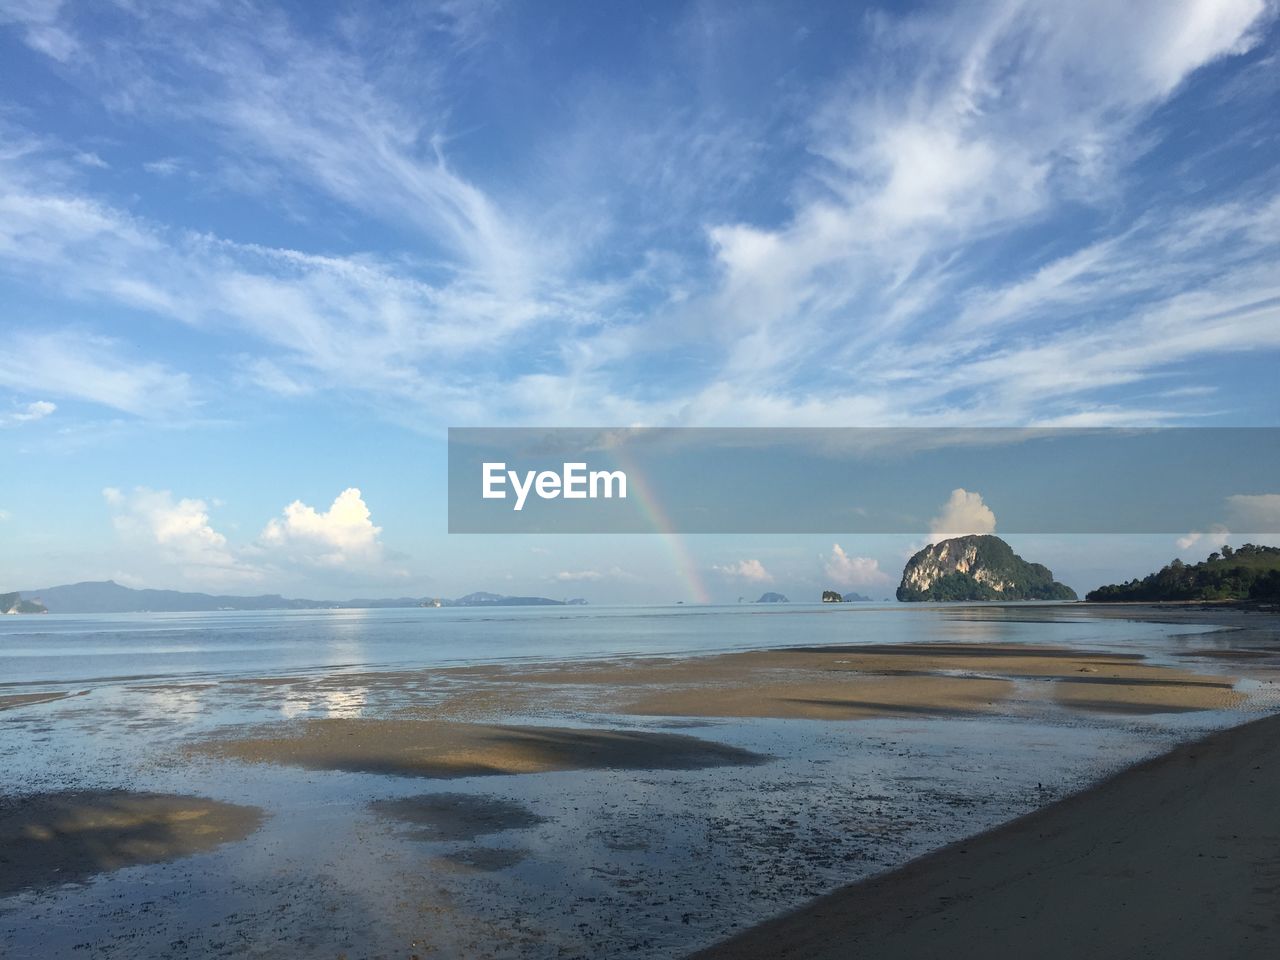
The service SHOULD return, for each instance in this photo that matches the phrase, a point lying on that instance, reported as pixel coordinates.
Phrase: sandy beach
(825, 683)
(859, 793)
(1178, 857)
(444, 751)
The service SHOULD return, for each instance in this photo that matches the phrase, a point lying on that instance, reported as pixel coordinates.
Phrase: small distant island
(1250, 572)
(772, 598)
(107, 596)
(832, 596)
(13, 603)
(977, 567)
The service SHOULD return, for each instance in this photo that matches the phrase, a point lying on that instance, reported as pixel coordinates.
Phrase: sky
(255, 259)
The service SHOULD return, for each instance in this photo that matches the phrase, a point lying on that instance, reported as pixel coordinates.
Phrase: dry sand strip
(446, 750)
(48, 839)
(1178, 857)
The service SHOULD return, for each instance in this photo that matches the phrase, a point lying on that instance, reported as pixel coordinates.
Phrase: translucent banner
(862, 480)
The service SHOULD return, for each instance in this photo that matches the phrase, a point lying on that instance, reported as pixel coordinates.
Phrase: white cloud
(1217, 534)
(750, 570)
(4, 515)
(869, 278)
(1255, 513)
(88, 158)
(846, 571)
(41, 29)
(163, 536)
(164, 167)
(592, 576)
(963, 513)
(177, 535)
(342, 536)
(88, 367)
(36, 410)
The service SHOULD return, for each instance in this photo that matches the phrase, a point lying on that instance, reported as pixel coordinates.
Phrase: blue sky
(254, 257)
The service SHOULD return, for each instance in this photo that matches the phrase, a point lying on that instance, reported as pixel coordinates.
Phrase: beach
(598, 801)
(1177, 857)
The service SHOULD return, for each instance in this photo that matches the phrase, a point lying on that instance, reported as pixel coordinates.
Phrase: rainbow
(682, 559)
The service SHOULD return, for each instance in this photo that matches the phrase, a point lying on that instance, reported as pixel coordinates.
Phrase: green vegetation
(830, 596)
(13, 603)
(977, 568)
(1249, 573)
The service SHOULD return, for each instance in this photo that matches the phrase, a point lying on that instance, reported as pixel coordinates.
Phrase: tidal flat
(360, 790)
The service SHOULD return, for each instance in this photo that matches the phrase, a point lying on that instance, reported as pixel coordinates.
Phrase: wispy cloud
(28, 413)
(74, 364)
(41, 27)
(865, 294)
(614, 573)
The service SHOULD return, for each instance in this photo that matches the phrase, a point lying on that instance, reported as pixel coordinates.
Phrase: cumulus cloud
(846, 571)
(37, 410)
(162, 536)
(1252, 513)
(342, 536)
(962, 514)
(1256, 513)
(178, 533)
(1218, 533)
(752, 571)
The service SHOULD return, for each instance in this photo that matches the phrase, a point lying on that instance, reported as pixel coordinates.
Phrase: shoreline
(1174, 857)
(724, 786)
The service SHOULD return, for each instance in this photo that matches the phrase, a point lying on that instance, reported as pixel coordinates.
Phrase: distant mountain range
(107, 596)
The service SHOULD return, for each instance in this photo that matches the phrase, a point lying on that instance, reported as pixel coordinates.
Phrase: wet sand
(54, 838)
(456, 816)
(608, 855)
(12, 700)
(836, 683)
(446, 750)
(1178, 857)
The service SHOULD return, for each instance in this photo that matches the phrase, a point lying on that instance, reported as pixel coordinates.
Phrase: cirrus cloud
(29, 413)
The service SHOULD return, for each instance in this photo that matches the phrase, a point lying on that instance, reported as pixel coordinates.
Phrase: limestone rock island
(977, 567)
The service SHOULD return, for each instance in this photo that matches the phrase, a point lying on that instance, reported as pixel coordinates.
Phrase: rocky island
(13, 603)
(977, 567)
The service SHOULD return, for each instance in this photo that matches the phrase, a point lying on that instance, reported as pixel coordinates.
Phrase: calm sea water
(53, 649)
